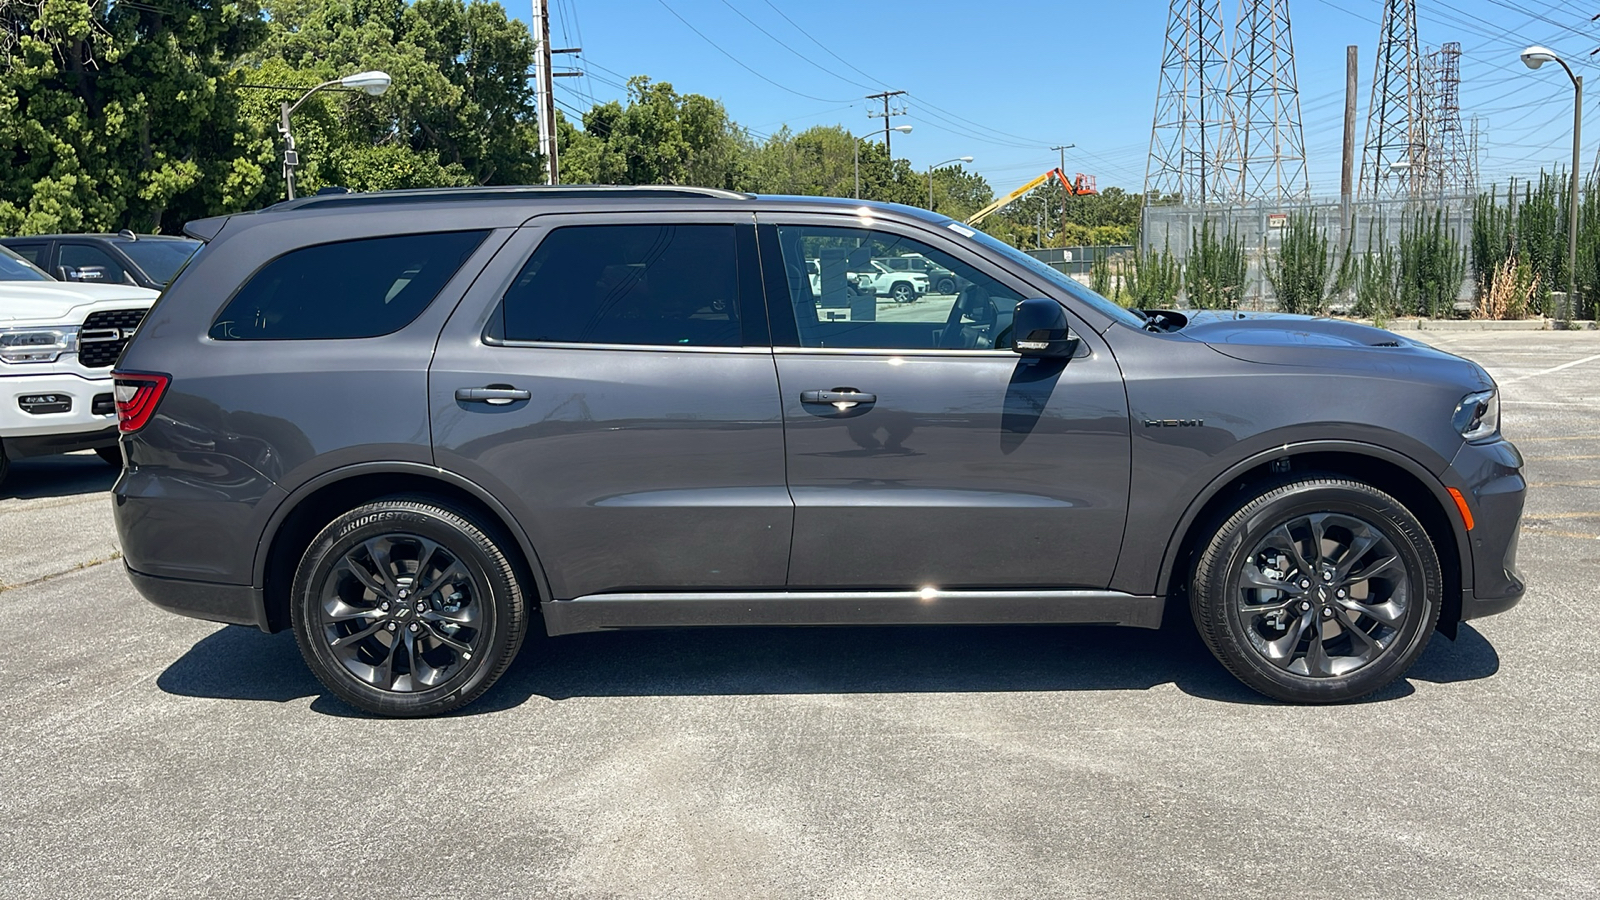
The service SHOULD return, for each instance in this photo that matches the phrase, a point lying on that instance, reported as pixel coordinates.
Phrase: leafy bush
(1432, 267)
(1100, 273)
(1214, 275)
(1299, 272)
(1151, 280)
(1377, 280)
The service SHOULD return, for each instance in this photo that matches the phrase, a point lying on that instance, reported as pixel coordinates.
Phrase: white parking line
(1576, 362)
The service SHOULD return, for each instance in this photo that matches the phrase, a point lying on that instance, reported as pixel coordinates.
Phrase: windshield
(15, 268)
(162, 259)
(1055, 276)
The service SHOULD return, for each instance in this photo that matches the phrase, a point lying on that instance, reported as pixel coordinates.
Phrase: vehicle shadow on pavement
(242, 664)
(57, 476)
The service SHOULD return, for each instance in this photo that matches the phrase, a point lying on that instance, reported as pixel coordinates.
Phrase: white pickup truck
(58, 341)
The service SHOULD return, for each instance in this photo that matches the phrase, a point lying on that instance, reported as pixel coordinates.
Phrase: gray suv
(409, 425)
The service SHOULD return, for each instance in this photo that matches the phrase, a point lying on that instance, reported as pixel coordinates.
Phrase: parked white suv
(57, 344)
(882, 281)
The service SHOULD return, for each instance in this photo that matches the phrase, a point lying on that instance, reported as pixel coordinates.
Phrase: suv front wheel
(1318, 591)
(405, 607)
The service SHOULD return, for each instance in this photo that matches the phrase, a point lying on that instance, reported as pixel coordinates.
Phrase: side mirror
(1040, 326)
(68, 273)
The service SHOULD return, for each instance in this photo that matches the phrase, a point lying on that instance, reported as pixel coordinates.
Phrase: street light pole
(373, 83)
(960, 159)
(1533, 58)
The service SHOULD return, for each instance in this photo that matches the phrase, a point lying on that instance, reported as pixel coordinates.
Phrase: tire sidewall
(366, 523)
(1398, 525)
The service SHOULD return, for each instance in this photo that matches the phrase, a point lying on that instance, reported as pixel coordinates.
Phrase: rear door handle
(494, 395)
(839, 398)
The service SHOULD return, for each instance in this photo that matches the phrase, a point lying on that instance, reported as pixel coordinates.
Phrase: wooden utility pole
(544, 93)
(1347, 173)
(884, 96)
(1063, 170)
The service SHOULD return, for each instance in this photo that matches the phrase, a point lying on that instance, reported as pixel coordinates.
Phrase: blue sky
(1004, 81)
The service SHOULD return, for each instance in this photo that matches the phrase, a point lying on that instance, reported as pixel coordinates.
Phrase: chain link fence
(1260, 226)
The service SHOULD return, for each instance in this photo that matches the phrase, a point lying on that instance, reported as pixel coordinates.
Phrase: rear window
(673, 285)
(348, 289)
(160, 260)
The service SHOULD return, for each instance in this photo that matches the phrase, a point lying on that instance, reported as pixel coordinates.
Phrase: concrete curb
(1480, 325)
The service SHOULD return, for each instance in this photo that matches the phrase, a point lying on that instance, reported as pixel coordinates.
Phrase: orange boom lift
(1082, 185)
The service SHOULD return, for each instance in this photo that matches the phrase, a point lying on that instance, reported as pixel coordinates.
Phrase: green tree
(657, 136)
(116, 115)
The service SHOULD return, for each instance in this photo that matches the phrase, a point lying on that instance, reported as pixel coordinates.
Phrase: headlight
(1477, 416)
(36, 345)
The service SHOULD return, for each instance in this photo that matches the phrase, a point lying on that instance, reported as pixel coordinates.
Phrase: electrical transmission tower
(1448, 159)
(1264, 94)
(1393, 161)
(1192, 133)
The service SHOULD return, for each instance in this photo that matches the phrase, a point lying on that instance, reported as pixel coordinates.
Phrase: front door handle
(841, 398)
(494, 395)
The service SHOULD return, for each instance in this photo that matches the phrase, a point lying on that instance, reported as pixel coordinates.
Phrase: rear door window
(666, 285)
(348, 289)
(93, 264)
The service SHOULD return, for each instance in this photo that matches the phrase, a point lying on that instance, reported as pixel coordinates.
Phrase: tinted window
(19, 267)
(859, 301)
(1060, 279)
(349, 289)
(160, 260)
(93, 264)
(629, 284)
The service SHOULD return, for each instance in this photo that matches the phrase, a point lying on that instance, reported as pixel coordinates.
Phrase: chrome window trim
(655, 348)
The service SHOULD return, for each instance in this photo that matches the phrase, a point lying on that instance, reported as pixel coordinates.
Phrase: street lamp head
(1536, 56)
(965, 159)
(373, 83)
(903, 129)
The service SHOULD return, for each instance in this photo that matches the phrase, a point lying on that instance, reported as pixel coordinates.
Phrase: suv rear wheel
(1318, 591)
(405, 607)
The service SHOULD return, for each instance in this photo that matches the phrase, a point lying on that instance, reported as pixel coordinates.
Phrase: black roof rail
(519, 192)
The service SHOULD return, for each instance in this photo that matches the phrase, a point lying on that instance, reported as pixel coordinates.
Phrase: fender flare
(1169, 558)
(394, 467)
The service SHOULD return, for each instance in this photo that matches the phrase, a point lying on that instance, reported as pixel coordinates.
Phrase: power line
(741, 64)
(808, 60)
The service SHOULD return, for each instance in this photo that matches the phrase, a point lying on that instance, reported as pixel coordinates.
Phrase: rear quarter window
(347, 289)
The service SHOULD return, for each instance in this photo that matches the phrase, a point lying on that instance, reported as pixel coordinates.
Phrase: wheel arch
(1393, 473)
(317, 502)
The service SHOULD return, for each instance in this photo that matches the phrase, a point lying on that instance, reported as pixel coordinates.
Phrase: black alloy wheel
(947, 286)
(1318, 591)
(405, 607)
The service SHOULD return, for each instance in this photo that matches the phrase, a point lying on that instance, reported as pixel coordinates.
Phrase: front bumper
(80, 394)
(1491, 479)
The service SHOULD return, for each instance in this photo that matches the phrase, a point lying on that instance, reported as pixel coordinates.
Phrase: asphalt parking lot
(149, 755)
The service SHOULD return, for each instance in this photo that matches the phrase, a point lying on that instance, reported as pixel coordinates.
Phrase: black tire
(5, 463)
(1266, 591)
(902, 292)
(112, 455)
(356, 633)
(946, 286)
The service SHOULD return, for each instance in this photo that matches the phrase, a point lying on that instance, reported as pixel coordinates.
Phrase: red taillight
(137, 394)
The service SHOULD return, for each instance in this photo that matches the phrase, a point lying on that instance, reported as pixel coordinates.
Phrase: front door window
(866, 295)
